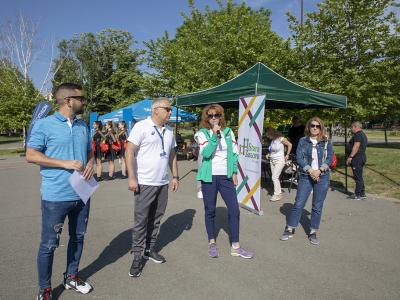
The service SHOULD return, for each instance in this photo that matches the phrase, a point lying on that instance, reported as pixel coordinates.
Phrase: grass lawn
(7, 152)
(381, 172)
(9, 139)
(379, 134)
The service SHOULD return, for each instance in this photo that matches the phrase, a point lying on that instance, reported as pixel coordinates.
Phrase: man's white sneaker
(200, 194)
(72, 282)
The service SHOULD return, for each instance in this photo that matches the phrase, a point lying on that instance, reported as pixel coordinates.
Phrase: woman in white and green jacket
(218, 173)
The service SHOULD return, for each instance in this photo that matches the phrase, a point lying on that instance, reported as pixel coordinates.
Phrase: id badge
(163, 154)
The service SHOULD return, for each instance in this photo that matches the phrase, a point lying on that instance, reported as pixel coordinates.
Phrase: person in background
(218, 173)
(277, 158)
(314, 155)
(111, 154)
(97, 138)
(357, 158)
(122, 137)
(296, 132)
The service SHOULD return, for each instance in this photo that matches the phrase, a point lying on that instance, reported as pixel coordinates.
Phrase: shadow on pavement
(286, 209)
(173, 227)
(117, 248)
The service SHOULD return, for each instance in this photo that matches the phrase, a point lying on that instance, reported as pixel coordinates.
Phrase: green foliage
(351, 48)
(105, 65)
(17, 98)
(212, 47)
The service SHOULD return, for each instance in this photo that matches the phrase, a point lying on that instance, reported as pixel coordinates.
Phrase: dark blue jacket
(304, 154)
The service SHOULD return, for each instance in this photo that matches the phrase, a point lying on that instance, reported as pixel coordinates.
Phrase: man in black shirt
(296, 132)
(357, 158)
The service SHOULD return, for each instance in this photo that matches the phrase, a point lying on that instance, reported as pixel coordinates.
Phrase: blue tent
(142, 109)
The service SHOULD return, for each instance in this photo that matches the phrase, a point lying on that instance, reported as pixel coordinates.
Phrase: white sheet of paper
(84, 188)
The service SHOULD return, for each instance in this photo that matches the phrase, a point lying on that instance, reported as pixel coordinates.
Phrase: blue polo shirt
(56, 139)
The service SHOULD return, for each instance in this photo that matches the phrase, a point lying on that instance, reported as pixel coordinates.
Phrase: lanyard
(161, 137)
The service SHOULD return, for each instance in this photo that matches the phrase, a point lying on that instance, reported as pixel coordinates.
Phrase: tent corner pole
(177, 117)
(345, 144)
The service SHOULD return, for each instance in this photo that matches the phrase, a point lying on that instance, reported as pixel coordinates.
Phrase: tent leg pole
(176, 121)
(345, 144)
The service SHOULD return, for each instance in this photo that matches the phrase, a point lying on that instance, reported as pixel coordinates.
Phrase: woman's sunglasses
(216, 116)
(315, 126)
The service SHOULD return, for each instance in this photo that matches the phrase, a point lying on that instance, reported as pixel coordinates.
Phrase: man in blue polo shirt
(60, 144)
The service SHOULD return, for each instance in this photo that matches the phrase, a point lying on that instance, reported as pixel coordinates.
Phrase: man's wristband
(351, 156)
(175, 177)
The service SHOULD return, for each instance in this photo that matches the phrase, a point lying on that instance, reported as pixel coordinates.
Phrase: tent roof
(142, 109)
(258, 80)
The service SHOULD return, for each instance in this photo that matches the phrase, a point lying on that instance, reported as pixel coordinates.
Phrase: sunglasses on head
(80, 98)
(216, 116)
(315, 126)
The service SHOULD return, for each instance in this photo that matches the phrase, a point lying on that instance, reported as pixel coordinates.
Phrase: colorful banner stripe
(252, 191)
(253, 201)
(251, 117)
(247, 110)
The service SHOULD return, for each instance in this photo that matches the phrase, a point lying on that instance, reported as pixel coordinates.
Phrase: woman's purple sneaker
(212, 250)
(241, 252)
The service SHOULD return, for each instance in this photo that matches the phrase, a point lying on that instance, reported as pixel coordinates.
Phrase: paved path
(358, 257)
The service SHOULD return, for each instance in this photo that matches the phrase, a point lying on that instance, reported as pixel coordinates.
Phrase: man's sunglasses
(168, 109)
(80, 98)
(216, 116)
(315, 126)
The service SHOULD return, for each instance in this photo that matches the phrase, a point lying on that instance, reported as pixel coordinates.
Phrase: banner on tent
(251, 117)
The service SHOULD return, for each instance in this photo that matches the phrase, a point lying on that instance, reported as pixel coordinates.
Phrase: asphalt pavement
(357, 257)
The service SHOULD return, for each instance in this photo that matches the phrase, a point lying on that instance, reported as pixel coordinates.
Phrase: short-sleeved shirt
(152, 157)
(277, 149)
(362, 139)
(56, 139)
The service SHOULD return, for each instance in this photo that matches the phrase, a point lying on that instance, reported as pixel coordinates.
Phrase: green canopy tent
(259, 80)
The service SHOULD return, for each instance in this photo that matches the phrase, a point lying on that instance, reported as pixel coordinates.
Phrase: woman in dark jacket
(97, 138)
(122, 137)
(110, 155)
(314, 155)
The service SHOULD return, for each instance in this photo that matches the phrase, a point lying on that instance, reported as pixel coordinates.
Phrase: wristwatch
(175, 177)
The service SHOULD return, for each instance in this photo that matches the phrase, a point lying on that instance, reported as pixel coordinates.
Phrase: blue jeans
(305, 186)
(224, 185)
(53, 216)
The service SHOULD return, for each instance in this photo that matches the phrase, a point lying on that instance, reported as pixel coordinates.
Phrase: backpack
(334, 161)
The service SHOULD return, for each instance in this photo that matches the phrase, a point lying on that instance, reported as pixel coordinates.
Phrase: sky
(144, 19)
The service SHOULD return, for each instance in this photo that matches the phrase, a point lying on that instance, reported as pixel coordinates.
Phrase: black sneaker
(44, 294)
(363, 197)
(355, 197)
(72, 282)
(287, 234)
(313, 238)
(136, 267)
(98, 179)
(154, 256)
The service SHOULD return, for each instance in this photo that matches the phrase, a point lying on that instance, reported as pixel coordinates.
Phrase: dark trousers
(53, 216)
(224, 185)
(357, 165)
(150, 205)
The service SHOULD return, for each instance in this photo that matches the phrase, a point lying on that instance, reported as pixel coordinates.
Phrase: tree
(352, 48)
(212, 47)
(16, 100)
(18, 49)
(104, 64)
